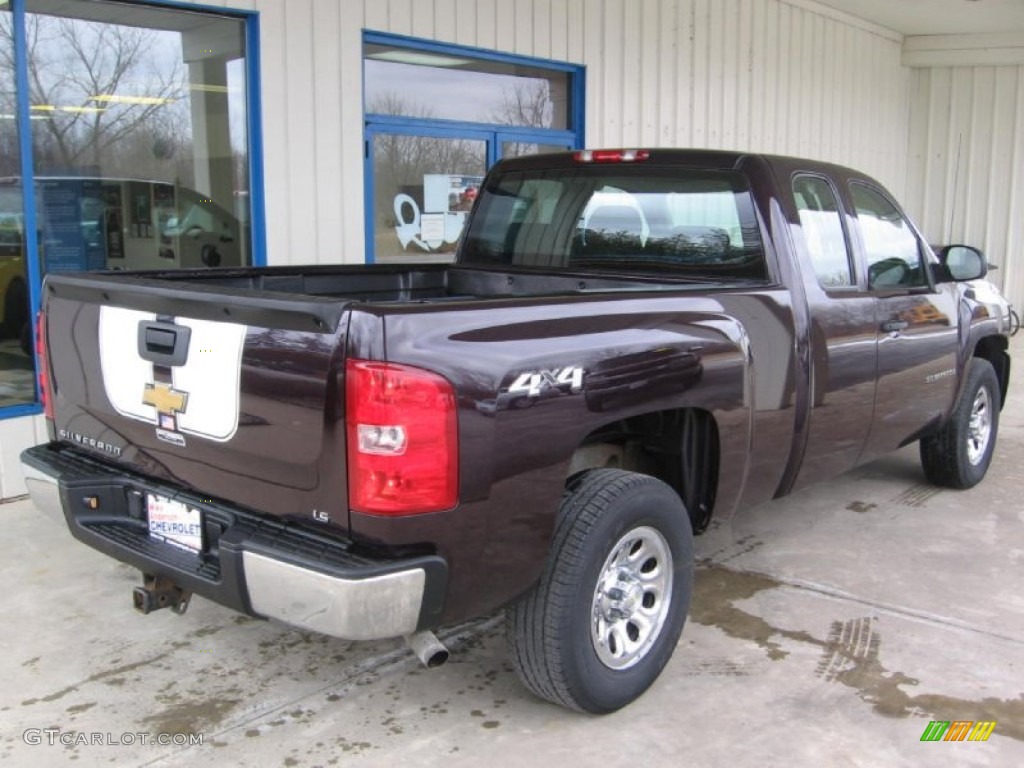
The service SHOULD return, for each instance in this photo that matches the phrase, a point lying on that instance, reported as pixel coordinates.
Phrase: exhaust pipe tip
(428, 649)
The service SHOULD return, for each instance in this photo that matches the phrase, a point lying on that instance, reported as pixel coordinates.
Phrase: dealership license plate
(175, 522)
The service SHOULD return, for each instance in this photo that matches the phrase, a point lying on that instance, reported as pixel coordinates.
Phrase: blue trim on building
(254, 115)
(448, 49)
(494, 134)
(33, 273)
(177, 5)
(14, 411)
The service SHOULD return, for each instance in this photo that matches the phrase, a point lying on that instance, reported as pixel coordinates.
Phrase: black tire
(551, 630)
(955, 457)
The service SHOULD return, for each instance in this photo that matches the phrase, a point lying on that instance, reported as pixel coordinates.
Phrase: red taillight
(42, 366)
(611, 155)
(402, 439)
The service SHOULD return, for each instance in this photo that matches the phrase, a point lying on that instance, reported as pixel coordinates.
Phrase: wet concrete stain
(111, 676)
(860, 507)
(850, 654)
(205, 631)
(354, 746)
(191, 715)
(715, 668)
(917, 495)
(715, 591)
(736, 549)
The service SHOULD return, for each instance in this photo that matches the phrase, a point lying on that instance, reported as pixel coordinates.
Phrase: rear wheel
(959, 455)
(606, 615)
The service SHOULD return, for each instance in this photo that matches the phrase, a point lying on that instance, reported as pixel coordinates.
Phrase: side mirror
(963, 262)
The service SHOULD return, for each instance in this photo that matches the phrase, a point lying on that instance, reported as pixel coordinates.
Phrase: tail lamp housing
(43, 366)
(402, 439)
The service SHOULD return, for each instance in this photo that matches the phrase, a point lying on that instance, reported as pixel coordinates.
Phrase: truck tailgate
(231, 395)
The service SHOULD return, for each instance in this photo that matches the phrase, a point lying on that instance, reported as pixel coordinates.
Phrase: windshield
(638, 219)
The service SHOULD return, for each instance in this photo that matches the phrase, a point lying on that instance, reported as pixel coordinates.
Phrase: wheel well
(679, 447)
(993, 349)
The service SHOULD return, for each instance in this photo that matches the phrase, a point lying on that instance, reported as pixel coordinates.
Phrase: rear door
(842, 333)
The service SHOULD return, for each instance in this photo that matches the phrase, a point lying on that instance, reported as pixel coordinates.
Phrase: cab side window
(822, 228)
(891, 248)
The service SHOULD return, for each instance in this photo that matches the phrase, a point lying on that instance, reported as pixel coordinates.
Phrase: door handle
(894, 326)
(164, 343)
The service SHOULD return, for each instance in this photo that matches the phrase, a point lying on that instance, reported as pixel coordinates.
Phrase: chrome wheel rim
(979, 428)
(632, 598)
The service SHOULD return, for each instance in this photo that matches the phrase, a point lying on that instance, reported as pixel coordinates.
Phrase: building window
(437, 117)
(17, 372)
(141, 152)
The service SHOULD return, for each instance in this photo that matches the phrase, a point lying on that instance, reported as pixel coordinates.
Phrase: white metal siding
(966, 166)
(763, 75)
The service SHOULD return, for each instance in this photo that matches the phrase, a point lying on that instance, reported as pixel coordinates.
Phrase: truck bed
(423, 282)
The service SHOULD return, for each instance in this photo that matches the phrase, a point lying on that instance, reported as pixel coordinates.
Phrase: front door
(917, 326)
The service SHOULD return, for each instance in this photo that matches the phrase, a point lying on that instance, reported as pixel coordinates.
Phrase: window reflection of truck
(183, 228)
(138, 224)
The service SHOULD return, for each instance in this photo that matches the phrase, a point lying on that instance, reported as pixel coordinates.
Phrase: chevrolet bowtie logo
(165, 399)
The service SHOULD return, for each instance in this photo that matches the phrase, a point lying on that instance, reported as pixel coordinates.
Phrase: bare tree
(99, 97)
(9, 162)
(527, 103)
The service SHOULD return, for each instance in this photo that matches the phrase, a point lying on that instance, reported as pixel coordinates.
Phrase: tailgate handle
(164, 343)
(894, 326)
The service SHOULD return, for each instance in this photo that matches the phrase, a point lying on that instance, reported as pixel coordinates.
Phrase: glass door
(422, 188)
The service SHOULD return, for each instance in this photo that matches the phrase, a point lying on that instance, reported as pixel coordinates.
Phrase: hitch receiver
(159, 592)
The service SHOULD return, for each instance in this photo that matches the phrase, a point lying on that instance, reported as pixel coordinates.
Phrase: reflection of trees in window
(402, 161)
(9, 163)
(105, 96)
(526, 104)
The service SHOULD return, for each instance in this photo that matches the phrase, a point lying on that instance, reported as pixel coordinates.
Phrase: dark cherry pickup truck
(629, 343)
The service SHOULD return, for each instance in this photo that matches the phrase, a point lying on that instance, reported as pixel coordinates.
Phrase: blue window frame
(460, 136)
(256, 225)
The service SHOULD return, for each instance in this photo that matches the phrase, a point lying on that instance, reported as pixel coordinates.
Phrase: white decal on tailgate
(203, 396)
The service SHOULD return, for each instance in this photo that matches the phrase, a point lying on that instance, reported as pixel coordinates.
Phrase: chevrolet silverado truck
(629, 344)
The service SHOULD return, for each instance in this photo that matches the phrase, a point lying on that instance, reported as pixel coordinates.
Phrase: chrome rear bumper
(264, 567)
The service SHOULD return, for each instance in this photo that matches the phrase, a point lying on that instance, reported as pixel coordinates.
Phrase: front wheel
(605, 617)
(959, 454)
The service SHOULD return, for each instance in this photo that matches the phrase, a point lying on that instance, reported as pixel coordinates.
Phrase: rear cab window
(625, 219)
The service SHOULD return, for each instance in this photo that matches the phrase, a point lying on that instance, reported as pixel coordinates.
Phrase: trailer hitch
(159, 592)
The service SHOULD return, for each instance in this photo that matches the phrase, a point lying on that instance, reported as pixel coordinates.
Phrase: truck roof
(694, 158)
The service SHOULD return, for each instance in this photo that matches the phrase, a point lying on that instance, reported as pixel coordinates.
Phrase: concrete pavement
(827, 629)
